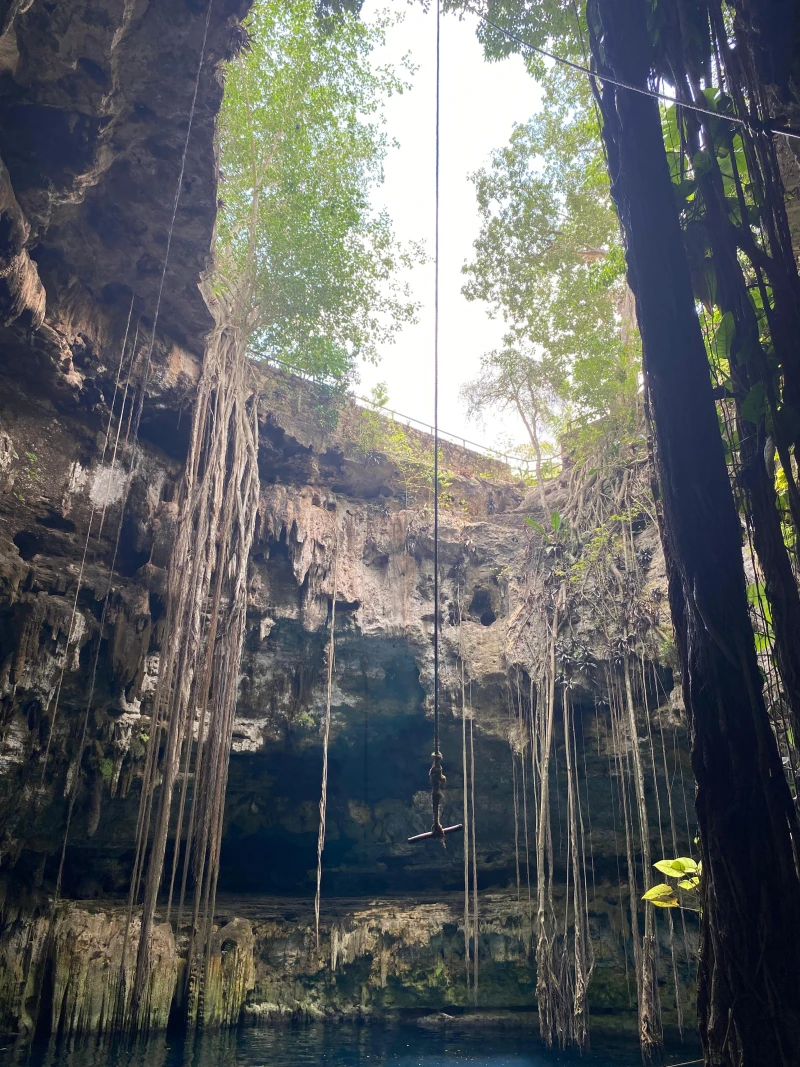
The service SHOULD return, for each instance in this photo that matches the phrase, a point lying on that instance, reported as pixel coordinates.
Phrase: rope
(752, 124)
(436, 402)
(465, 797)
(465, 817)
(476, 929)
(79, 585)
(437, 778)
(176, 203)
(323, 800)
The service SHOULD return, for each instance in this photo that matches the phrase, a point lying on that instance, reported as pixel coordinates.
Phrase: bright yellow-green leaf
(677, 868)
(659, 892)
(668, 867)
(673, 902)
(689, 883)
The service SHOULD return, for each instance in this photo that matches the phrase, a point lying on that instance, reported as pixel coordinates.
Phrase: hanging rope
(323, 800)
(465, 798)
(465, 774)
(475, 927)
(92, 512)
(175, 205)
(437, 777)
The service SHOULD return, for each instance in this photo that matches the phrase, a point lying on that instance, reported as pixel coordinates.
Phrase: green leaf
(663, 896)
(688, 864)
(685, 189)
(755, 593)
(701, 163)
(555, 521)
(302, 261)
(724, 335)
(537, 526)
(689, 883)
(677, 868)
(704, 282)
(755, 405)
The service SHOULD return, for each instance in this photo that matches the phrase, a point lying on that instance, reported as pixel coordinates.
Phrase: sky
(480, 102)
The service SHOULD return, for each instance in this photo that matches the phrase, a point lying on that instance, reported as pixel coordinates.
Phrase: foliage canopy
(302, 262)
(549, 261)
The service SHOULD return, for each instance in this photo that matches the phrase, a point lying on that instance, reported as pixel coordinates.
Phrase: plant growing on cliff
(301, 259)
(411, 452)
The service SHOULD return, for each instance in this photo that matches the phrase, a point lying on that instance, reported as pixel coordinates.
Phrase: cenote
(399, 533)
(513, 1042)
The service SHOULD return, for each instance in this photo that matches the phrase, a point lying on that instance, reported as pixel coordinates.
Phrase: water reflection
(399, 1045)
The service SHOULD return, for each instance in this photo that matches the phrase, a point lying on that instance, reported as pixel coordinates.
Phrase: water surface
(327, 1045)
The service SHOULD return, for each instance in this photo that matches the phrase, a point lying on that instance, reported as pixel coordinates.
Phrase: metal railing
(519, 463)
(508, 458)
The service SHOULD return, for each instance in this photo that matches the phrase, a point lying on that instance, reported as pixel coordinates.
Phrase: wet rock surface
(390, 955)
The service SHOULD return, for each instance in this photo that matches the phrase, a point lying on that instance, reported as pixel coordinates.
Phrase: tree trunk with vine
(749, 1002)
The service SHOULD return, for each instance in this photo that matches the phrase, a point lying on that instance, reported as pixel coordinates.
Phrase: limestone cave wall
(95, 99)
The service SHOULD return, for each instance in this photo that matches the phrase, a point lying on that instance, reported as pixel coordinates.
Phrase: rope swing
(437, 777)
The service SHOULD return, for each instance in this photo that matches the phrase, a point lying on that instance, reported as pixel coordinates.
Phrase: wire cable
(753, 124)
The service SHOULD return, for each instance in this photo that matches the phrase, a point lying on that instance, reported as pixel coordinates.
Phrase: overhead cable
(752, 124)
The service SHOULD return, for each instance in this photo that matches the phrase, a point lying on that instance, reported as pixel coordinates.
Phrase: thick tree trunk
(749, 995)
(749, 366)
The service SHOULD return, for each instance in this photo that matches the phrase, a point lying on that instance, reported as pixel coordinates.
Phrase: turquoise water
(400, 1045)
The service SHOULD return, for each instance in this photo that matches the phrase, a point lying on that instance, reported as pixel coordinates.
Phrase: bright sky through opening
(480, 102)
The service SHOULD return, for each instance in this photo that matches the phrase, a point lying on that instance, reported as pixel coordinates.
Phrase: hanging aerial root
(199, 664)
(323, 800)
